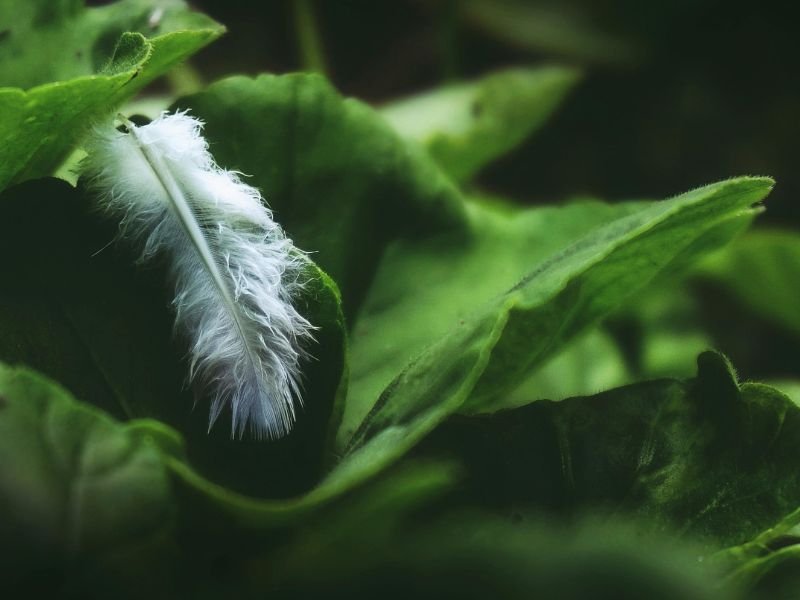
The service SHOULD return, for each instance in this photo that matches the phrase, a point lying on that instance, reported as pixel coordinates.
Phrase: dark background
(676, 93)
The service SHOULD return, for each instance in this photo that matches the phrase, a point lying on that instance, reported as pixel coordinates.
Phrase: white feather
(234, 270)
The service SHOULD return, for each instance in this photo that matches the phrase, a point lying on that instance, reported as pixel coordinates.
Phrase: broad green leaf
(518, 288)
(76, 487)
(440, 381)
(73, 306)
(339, 179)
(85, 497)
(467, 125)
(83, 63)
(425, 288)
(705, 458)
(762, 270)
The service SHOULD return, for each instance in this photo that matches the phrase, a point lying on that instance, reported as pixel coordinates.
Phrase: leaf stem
(309, 41)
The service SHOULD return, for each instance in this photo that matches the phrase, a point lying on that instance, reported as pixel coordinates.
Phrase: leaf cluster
(475, 423)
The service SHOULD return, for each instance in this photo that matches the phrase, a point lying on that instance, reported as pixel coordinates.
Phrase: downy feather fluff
(233, 269)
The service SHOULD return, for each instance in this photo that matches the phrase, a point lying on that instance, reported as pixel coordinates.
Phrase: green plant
(474, 423)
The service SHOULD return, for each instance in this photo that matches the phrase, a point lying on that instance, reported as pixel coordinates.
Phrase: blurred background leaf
(82, 492)
(466, 126)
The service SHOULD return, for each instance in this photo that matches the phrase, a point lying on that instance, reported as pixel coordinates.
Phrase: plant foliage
(474, 422)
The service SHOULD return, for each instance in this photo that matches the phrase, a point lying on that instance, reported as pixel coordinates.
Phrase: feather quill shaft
(234, 270)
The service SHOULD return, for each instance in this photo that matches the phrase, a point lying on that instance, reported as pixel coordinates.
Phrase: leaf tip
(717, 383)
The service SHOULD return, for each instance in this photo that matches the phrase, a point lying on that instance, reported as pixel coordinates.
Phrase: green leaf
(467, 125)
(705, 458)
(462, 312)
(73, 482)
(84, 63)
(339, 180)
(60, 274)
(425, 288)
(57, 40)
(761, 269)
(74, 307)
